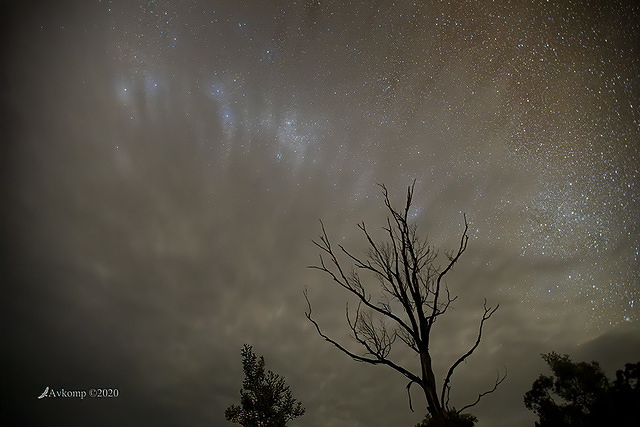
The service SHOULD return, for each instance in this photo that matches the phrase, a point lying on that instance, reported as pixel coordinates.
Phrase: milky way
(169, 160)
(441, 93)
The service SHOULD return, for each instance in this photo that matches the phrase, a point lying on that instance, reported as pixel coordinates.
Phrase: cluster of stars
(472, 95)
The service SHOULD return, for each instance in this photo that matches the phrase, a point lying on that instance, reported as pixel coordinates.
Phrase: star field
(547, 89)
(169, 161)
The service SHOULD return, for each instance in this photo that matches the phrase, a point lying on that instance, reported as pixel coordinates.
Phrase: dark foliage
(265, 399)
(456, 419)
(579, 394)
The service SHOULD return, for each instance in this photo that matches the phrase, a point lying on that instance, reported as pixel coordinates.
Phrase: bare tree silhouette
(414, 296)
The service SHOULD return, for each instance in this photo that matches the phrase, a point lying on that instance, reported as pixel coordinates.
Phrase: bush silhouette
(579, 394)
(265, 399)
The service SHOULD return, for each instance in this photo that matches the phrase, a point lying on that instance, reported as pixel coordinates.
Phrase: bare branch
(488, 311)
(412, 283)
(356, 357)
(452, 260)
(408, 340)
(352, 286)
(499, 381)
(409, 394)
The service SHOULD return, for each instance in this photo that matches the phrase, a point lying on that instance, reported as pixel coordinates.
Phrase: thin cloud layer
(165, 164)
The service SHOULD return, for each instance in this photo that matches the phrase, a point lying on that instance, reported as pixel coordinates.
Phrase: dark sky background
(165, 164)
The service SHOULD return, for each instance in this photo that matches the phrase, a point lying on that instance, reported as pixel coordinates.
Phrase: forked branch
(414, 295)
(499, 380)
(444, 396)
(377, 360)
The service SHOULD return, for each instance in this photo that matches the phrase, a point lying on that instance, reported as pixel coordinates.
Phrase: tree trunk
(438, 414)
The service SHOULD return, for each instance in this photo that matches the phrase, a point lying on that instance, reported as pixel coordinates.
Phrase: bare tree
(414, 296)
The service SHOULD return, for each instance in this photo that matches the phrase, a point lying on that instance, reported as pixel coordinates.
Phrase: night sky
(164, 165)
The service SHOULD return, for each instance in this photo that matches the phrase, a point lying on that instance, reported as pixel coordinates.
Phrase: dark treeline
(407, 271)
(576, 394)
